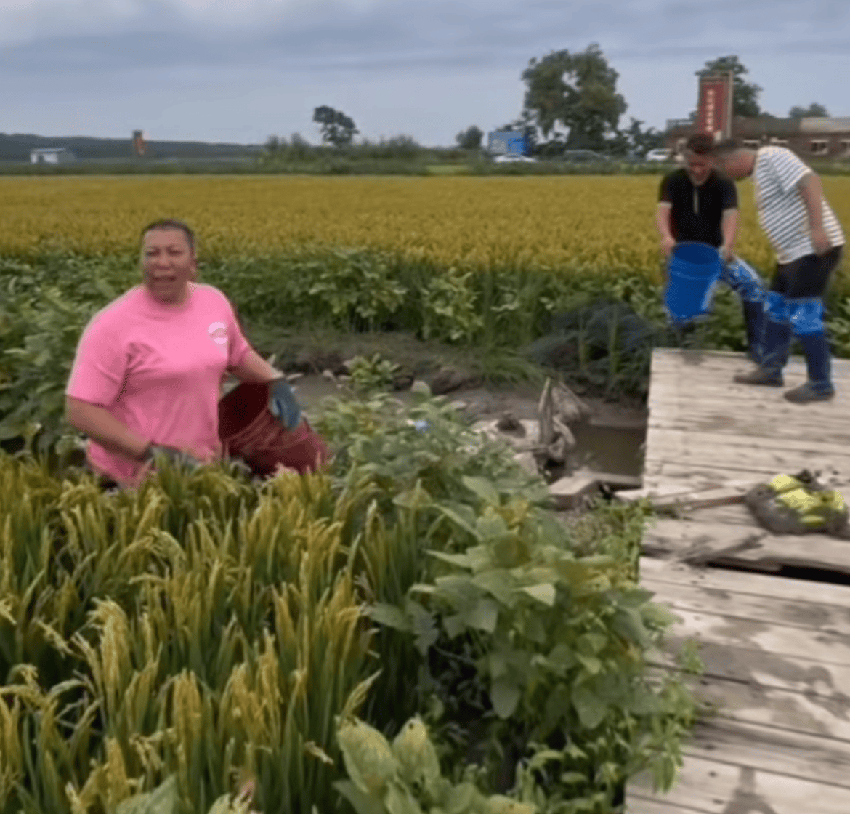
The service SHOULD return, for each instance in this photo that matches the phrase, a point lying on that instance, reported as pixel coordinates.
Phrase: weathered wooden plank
(776, 459)
(700, 475)
(825, 713)
(769, 748)
(690, 441)
(806, 614)
(724, 788)
(674, 361)
(641, 805)
(780, 640)
(725, 543)
(724, 423)
(756, 585)
(739, 514)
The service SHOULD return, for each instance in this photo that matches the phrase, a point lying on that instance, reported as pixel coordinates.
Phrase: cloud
(397, 54)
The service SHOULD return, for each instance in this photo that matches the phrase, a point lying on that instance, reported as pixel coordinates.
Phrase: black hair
(172, 223)
(700, 143)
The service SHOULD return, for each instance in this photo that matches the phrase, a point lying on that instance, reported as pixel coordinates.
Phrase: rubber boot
(754, 320)
(776, 345)
(819, 386)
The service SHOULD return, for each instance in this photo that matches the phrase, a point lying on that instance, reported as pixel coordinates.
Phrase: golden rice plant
(577, 222)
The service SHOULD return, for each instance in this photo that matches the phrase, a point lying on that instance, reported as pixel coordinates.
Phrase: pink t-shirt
(158, 370)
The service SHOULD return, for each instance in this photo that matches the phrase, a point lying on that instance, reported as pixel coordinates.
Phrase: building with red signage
(818, 138)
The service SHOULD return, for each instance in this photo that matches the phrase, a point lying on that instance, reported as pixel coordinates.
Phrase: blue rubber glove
(282, 404)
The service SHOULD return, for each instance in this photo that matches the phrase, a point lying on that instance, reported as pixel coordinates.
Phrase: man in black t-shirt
(699, 204)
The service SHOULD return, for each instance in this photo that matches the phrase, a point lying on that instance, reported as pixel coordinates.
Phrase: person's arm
(811, 191)
(253, 368)
(106, 430)
(282, 402)
(729, 230)
(663, 222)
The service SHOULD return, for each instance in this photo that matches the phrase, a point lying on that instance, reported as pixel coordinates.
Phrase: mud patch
(610, 440)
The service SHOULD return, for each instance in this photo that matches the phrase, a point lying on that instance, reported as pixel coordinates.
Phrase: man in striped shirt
(808, 241)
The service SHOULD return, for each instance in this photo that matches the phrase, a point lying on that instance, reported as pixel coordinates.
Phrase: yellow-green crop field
(572, 222)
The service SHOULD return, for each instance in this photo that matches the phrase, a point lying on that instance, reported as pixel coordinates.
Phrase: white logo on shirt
(218, 333)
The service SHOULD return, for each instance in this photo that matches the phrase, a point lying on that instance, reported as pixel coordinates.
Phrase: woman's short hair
(172, 223)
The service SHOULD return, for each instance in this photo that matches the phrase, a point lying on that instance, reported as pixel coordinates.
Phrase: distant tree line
(571, 102)
(17, 147)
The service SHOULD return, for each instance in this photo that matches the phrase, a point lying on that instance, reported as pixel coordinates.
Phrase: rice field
(580, 222)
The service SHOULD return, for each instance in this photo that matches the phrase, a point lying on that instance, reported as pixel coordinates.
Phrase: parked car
(660, 155)
(584, 157)
(510, 158)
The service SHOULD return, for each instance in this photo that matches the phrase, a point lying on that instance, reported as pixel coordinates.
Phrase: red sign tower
(138, 143)
(714, 109)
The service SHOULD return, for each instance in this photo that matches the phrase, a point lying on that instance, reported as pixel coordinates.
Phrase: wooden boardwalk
(776, 650)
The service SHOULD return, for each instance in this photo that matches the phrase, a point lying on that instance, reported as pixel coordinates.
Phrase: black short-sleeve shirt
(696, 212)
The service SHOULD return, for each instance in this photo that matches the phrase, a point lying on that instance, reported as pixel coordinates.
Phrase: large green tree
(813, 110)
(745, 95)
(337, 128)
(470, 139)
(577, 91)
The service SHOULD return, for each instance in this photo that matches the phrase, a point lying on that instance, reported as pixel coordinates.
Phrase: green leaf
(504, 695)
(484, 616)
(484, 489)
(461, 560)
(545, 593)
(164, 799)
(459, 521)
(398, 800)
(498, 584)
(589, 644)
(459, 798)
(492, 527)
(362, 803)
(591, 710)
(563, 657)
(628, 623)
(389, 616)
(590, 663)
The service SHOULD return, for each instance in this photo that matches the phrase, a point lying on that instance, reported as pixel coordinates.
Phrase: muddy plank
(755, 585)
(635, 804)
(819, 444)
(796, 754)
(698, 543)
(723, 423)
(807, 614)
(769, 460)
(817, 682)
(703, 474)
(775, 638)
(726, 788)
(805, 706)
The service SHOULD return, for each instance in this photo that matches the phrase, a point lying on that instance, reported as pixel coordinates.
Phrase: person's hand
(283, 404)
(667, 246)
(726, 253)
(820, 240)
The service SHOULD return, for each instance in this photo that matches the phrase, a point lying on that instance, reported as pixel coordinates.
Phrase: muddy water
(610, 441)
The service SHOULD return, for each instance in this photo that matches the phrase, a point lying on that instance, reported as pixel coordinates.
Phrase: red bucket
(249, 431)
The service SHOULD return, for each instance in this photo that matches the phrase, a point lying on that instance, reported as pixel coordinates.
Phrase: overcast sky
(241, 70)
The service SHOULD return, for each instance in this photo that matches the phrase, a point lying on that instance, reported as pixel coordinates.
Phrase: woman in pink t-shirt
(148, 369)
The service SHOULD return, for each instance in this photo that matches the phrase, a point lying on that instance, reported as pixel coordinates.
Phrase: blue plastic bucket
(693, 272)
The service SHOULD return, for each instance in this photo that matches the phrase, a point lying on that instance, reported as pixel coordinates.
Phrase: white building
(51, 155)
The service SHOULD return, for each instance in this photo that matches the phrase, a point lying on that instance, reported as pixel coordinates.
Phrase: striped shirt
(781, 208)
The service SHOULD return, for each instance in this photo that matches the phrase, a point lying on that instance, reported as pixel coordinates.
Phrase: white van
(659, 154)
